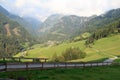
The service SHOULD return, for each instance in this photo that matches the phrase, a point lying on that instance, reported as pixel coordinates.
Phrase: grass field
(117, 60)
(89, 73)
(103, 48)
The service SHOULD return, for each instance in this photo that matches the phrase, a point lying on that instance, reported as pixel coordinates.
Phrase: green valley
(59, 39)
(102, 48)
(94, 38)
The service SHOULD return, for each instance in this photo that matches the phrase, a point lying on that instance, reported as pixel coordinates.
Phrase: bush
(73, 53)
(69, 54)
(55, 58)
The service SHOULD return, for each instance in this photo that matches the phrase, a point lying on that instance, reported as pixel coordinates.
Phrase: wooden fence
(12, 66)
(19, 59)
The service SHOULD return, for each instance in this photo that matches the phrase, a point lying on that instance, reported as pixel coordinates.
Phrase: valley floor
(108, 47)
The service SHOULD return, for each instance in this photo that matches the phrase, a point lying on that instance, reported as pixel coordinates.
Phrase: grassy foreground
(90, 73)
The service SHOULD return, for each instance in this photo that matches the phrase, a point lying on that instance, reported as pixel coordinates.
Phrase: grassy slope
(84, 35)
(117, 60)
(103, 48)
(109, 45)
(49, 51)
(92, 73)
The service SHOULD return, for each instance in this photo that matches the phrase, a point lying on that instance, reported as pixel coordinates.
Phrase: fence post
(3, 58)
(57, 64)
(45, 60)
(42, 65)
(75, 65)
(83, 64)
(102, 63)
(91, 64)
(19, 59)
(54, 64)
(5, 66)
(65, 65)
(33, 60)
(26, 66)
(96, 63)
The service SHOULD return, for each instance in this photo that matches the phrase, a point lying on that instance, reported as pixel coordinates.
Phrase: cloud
(2, 1)
(19, 3)
(44, 8)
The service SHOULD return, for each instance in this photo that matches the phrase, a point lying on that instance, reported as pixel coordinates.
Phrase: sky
(41, 9)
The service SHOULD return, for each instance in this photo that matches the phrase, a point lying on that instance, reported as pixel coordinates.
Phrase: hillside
(28, 23)
(101, 21)
(34, 23)
(60, 27)
(65, 27)
(12, 36)
(92, 44)
(103, 48)
(60, 32)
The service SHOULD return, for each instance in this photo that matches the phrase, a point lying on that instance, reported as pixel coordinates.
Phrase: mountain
(3, 11)
(50, 22)
(14, 33)
(60, 27)
(11, 27)
(34, 23)
(12, 36)
(27, 24)
(102, 20)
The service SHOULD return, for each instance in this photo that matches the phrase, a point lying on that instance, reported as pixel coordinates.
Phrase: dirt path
(103, 53)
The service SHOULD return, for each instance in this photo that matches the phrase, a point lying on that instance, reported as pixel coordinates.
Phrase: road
(50, 65)
(110, 59)
(106, 54)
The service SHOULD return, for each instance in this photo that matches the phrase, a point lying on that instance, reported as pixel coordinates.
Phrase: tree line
(112, 28)
(10, 45)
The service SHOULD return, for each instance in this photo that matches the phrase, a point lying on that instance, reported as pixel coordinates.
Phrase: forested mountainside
(102, 21)
(107, 30)
(12, 36)
(29, 24)
(16, 31)
(60, 27)
(63, 27)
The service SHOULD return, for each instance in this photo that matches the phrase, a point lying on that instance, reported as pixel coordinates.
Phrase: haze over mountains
(28, 23)
(61, 27)
(57, 27)
(12, 34)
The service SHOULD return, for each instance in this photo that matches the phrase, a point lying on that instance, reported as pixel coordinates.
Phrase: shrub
(69, 54)
(73, 53)
(55, 58)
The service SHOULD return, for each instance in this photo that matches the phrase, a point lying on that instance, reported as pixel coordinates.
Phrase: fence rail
(19, 59)
(12, 66)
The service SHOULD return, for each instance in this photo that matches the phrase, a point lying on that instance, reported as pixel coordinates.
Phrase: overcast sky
(41, 9)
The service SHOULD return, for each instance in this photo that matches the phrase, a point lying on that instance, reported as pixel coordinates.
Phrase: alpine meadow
(52, 39)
